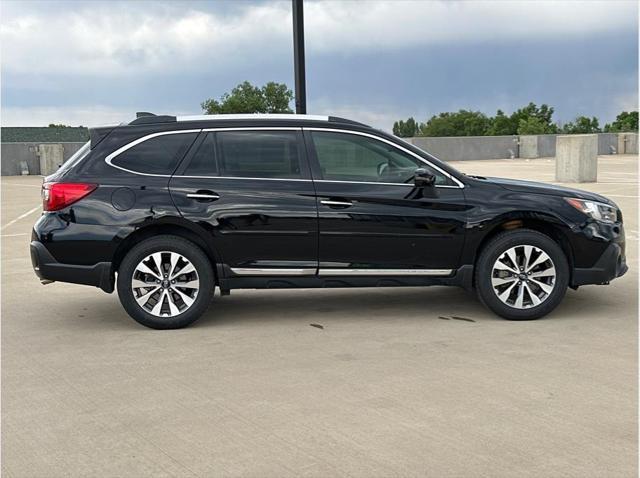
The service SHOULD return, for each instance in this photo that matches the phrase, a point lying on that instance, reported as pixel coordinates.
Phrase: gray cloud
(376, 61)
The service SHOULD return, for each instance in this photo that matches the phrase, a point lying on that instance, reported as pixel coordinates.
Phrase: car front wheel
(522, 275)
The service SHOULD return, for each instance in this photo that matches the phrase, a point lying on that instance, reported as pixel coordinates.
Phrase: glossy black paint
(390, 226)
(283, 223)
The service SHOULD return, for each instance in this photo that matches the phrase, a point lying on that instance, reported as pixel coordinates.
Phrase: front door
(252, 190)
(373, 220)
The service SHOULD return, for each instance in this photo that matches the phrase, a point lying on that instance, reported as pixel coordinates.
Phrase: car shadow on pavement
(320, 306)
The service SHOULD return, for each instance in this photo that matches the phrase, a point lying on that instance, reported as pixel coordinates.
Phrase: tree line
(531, 119)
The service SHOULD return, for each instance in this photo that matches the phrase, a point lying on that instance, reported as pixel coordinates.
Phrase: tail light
(56, 196)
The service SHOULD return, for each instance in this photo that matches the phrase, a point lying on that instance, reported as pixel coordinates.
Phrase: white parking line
(18, 185)
(14, 235)
(21, 216)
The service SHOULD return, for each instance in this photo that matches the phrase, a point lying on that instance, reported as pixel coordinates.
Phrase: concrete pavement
(392, 385)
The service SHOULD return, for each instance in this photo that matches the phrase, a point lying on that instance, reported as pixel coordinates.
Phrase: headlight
(596, 210)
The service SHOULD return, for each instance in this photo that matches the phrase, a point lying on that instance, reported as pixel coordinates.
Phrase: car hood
(545, 188)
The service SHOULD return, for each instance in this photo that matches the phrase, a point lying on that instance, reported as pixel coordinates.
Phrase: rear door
(373, 220)
(252, 190)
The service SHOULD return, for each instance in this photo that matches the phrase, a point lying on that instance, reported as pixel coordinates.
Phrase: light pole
(298, 57)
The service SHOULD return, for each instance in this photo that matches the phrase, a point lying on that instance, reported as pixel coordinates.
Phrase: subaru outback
(165, 209)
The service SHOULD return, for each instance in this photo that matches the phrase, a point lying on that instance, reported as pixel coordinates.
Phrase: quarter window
(259, 154)
(157, 155)
(349, 157)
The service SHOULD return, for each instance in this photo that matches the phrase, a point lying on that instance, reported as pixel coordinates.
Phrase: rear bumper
(610, 265)
(47, 268)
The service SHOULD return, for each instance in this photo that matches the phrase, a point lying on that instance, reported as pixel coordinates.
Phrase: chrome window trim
(127, 146)
(385, 272)
(133, 143)
(381, 184)
(460, 185)
(261, 271)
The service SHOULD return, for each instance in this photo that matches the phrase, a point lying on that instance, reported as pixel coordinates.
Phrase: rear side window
(203, 162)
(259, 154)
(157, 155)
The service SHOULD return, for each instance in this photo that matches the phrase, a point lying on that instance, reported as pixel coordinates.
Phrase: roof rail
(337, 119)
(150, 118)
(253, 116)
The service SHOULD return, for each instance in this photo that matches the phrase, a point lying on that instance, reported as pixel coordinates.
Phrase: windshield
(75, 158)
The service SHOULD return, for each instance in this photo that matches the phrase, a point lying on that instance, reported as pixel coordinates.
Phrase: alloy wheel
(165, 284)
(523, 276)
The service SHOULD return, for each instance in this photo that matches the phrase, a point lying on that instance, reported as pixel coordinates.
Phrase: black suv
(175, 206)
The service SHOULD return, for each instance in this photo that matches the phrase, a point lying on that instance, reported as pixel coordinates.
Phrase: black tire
(188, 250)
(496, 248)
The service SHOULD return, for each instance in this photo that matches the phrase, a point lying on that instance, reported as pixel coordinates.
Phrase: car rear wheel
(165, 282)
(522, 275)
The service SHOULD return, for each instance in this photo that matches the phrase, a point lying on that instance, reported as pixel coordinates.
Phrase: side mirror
(423, 178)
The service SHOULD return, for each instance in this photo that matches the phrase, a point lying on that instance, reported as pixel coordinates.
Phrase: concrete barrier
(14, 153)
(608, 143)
(465, 148)
(577, 158)
(461, 148)
(529, 146)
(628, 143)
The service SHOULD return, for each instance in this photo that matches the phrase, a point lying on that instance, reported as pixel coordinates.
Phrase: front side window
(157, 155)
(349, 157)
(259, 154)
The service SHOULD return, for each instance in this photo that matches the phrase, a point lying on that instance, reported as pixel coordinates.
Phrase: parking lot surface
(398, 382)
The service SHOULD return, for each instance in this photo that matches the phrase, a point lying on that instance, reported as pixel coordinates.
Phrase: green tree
(534, 118)
(246, 98)
(53, 125)
(625, 122)
(461, 123)
(502, 124)
(531, 125)
(405, 129)
(582, 125)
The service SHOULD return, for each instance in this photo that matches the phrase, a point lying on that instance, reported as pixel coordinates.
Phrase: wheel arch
(546, 224)
(170, 226)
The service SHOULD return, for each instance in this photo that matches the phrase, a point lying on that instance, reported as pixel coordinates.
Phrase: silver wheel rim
(165, 284)
(523, 277)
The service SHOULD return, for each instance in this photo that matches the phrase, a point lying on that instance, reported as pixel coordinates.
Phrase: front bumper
(47, 268)
(610, 265)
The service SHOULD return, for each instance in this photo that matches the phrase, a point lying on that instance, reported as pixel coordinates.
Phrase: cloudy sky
(91, 62)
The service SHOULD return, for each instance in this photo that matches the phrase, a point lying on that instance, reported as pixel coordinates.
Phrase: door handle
(329, 202)
(204, 196)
